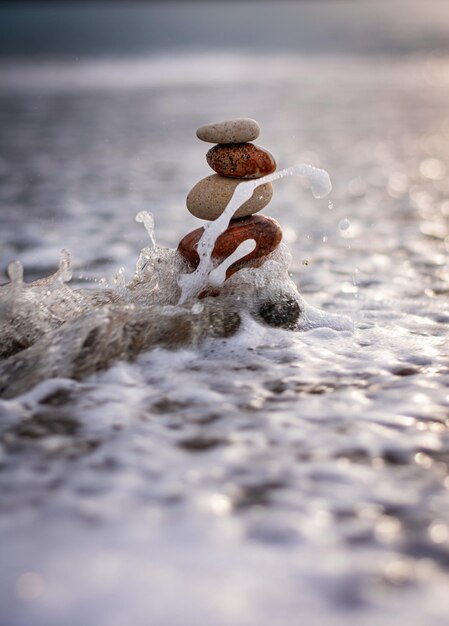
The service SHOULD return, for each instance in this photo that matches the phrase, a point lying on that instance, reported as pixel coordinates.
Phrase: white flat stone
(239, 130)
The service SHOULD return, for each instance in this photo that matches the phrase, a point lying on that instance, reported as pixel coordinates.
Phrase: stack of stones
(234, 159)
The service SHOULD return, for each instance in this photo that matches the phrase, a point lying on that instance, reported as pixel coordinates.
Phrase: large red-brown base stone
(264, 230)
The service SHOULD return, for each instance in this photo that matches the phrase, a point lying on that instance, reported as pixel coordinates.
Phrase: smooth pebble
(266, 232)
(210, 196)
(239, 130)
(241, 160)
(282, 313)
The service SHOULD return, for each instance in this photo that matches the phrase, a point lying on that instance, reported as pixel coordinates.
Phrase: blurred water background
(275, 477)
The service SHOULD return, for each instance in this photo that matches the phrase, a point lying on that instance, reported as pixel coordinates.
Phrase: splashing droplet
(9, 303)
(15, 272)
(65, 266)
(146, 253)
(145, 218)
(119, 278)
(320, 182)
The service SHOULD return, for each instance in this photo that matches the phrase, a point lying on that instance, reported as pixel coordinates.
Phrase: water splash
(119, 279)
(56, 284)
(9, 301)
(46, 310)
(64, 273)
(15, 272)
(192, 284)
(218, 275)
(147, 219)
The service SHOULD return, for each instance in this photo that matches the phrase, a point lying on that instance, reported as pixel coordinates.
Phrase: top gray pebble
(240, 130)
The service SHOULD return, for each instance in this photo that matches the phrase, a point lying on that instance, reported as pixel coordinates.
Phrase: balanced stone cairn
(234, 159)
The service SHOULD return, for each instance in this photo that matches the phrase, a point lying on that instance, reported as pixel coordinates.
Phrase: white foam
(218, 275)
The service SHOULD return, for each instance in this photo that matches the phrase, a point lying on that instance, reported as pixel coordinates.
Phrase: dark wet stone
(58, 397)
(276, 386)
(283, 313)
(392, 456)
(13, 346)
(199, 443)
(258, 494)
(91, 339)
(165, 405)
(46, 424)
(407, 370)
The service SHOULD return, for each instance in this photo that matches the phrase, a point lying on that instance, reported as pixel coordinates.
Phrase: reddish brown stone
(241, 160)
(264, 230)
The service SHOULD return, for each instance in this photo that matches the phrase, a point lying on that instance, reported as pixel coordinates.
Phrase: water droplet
(145, 218)
(65, 266)
(344, 224)
(119, 278)
(15, 272)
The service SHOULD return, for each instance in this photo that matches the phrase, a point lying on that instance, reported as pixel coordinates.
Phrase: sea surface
(274, 477)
